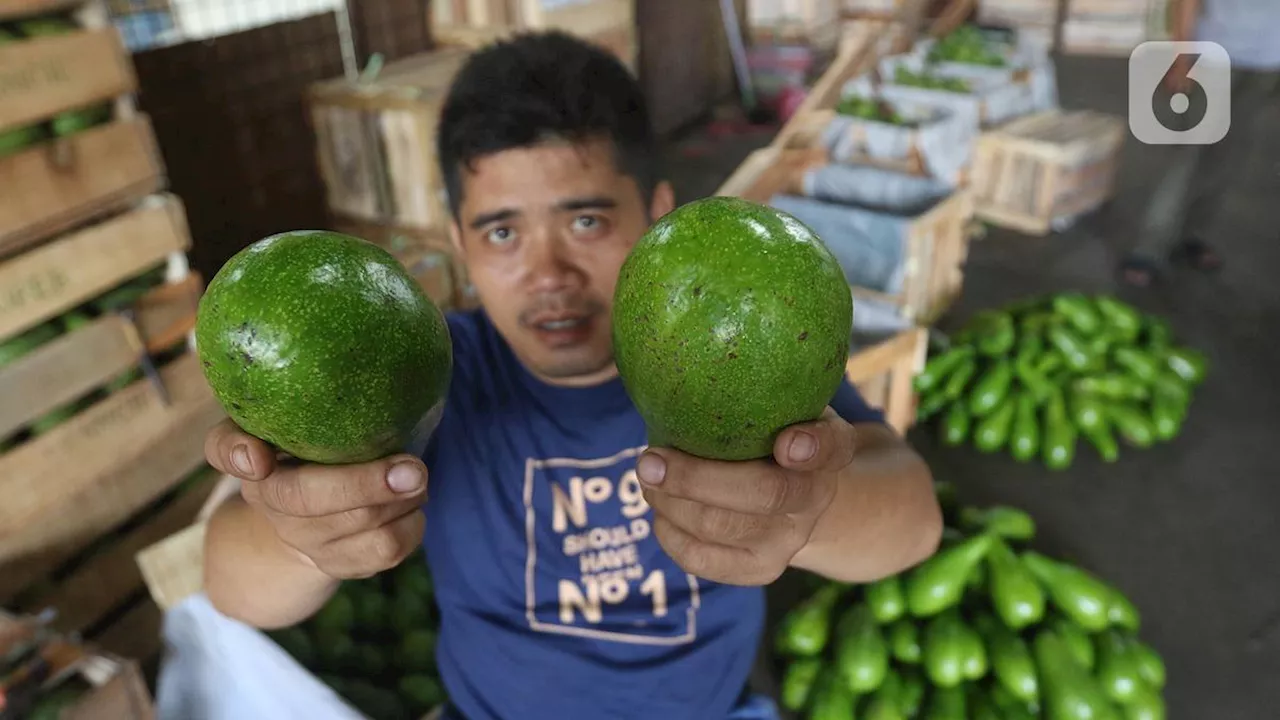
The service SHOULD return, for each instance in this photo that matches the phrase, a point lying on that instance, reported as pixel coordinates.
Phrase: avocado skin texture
(731, 321)
(322, 345)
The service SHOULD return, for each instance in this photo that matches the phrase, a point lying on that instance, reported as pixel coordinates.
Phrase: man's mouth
(558, 324)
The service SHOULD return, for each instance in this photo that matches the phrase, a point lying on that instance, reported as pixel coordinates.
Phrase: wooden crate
(53, 278)
(41, 77)
(1045, 167)
(807, 135)
(814, 23)
(883, 371)
(58, 185)
(118, 689)
(938, 240)
(375, 141)
(475, 23)
(1018, 12)
(426, 254)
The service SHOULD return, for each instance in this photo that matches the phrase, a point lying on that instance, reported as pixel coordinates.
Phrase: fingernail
(803, 445)
(405, 478)
(651, 469)
(240, 460)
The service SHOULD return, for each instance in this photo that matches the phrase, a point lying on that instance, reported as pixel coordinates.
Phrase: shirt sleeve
(849, 404)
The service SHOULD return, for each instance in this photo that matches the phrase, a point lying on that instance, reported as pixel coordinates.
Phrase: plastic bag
(216, 668)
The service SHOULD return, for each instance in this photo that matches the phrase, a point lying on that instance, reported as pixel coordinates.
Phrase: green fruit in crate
(14, 348)
(1188, 364)
(338, 616)
(862, 655)
(886, 600)
(1011, 660)
(946, 649)
(832, 699)
(321, 344)
(372, 609)
(884, 702)
(370, 660)
(54, 418)
(1078, 641)
(904, 641)
(376, 702)
(11, 141)
(409, 612)
(46, 26)
(422, 692)
(798, 681)
(911, 692)
(938, 583)
(980, 705)
(1150, 664)
(731, 321)
(412, 577)
(336, 652)
(1007, 522)
(993, 432)
(1015, 593)
(418, 651)
(1067, 689)
(940, 367)
(1078, 594)
(955, 425)
(74, 121)
(1117, 668)
(946, 703)
(805, 628)
(1024, 439)
(1079, 312)
(1146, 704)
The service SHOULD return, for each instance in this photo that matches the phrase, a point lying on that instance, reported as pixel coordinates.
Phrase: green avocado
(322, 345)
(731, 321)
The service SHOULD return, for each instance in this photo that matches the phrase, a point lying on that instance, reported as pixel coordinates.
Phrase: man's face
(543, 232)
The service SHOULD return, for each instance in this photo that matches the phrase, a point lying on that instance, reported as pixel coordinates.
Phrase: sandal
(1138, 271)
(1197, 254)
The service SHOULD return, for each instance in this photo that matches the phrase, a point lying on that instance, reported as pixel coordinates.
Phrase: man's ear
(664, 200)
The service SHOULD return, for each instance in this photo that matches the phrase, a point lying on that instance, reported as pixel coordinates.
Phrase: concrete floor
(1188, 529)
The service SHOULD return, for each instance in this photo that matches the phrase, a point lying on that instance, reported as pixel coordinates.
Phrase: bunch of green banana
(986, 629)
(1035, 377)
(966, 44)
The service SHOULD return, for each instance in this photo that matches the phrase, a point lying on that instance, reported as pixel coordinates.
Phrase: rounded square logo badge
(1194, 109)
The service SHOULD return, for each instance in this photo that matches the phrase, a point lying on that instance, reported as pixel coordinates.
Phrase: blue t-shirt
(556, 600)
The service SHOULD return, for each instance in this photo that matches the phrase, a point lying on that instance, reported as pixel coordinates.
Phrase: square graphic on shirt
(594, 568)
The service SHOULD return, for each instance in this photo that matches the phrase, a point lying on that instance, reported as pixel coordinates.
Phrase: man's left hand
(741, 523)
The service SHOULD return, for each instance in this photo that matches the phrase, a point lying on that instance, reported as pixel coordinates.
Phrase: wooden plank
(42, 77)
(175, 454)
(55, 186)
(56, 277)
(90, 453)
(880, 357)
(136, 635)
(173, 567)
(110, 577)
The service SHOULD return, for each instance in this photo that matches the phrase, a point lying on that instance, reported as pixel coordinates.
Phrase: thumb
(827, 442)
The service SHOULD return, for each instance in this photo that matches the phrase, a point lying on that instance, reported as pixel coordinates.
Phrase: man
(1186, 203)
(578, 574)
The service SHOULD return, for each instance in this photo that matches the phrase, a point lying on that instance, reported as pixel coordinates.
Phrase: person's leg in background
(1187, 200)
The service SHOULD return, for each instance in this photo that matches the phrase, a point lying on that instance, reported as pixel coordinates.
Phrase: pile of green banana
(966, 44)
(983, 630)
(1036, 376)
(72, 121)
(870, 109)
(74, 319)
(903, 75)
(374, 643)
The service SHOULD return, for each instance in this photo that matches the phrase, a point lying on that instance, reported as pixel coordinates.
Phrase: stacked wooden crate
(1087, 27)
(609, 23)
(375, 146)
(103, 407)
(809, 23)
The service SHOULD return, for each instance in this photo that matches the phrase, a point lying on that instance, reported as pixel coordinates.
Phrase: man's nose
(549, 265)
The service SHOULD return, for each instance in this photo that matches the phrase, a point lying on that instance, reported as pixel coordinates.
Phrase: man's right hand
(348, 521)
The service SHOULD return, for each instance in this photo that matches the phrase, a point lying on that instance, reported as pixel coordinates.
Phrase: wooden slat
(58, 185)
(42, 77)
(56, 277)
(136, 635)
(112, 576)
(173, 456)
(173, 567)
(90, 452)
(879, 358)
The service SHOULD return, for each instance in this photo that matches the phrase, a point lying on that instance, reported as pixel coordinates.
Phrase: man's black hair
(539, 86)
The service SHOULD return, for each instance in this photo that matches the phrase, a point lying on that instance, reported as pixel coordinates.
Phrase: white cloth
(216, 668)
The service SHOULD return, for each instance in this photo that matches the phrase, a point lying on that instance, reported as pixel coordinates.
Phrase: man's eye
(500, 236)
(585, 222)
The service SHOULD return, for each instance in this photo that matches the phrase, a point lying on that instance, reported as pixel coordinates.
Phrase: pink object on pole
(789, 101)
